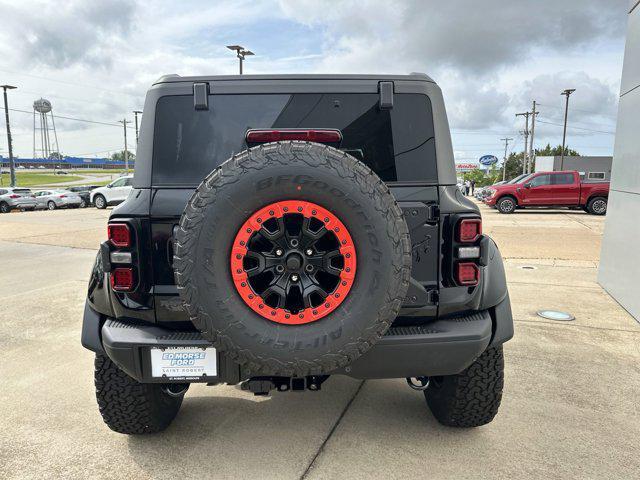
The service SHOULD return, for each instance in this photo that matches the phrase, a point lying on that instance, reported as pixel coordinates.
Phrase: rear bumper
(23, 203)
(443, 347)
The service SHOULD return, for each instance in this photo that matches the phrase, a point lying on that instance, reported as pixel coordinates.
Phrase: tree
(119, 156)
(549, 151)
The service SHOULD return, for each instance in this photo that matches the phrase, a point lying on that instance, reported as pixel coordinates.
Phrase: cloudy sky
(95, 60)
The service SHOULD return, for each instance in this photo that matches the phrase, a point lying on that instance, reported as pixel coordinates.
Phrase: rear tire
(100, 202)
(51, 205)
(83, 203)
(597, 206)
(506, 205)
(472, 397)
(131, 407)
(4, 207)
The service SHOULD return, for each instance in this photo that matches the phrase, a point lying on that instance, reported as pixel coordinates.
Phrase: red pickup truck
(550, 189)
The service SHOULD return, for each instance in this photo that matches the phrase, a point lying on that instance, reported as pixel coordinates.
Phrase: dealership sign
(466, 167)
(487, 160)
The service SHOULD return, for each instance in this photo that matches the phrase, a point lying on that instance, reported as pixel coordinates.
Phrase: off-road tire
(594, 206)
(303, 171)
(100, 202)
(131, 407)
(472, 397)
(4, 207)
(506, 205)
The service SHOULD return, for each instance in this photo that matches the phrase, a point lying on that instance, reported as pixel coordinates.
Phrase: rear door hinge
(201, 96)
(385, 89)
(434, 296)
(433, 213)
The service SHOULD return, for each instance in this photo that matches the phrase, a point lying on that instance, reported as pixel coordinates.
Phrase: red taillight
(467, 274)
(122, 279)
(318, 136)
(14, 196)
(119, 234)
(63, 196)
(469, 230)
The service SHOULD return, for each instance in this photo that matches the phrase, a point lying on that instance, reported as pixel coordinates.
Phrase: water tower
(42, 128)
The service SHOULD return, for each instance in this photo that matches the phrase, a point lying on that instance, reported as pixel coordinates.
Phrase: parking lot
(570, 405)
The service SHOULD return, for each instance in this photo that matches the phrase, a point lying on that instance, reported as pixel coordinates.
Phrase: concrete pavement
(569, 407)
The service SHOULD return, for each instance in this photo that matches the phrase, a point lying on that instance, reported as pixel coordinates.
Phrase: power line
(75, 84)
(70, 118)
(580, 110)
(577, 128)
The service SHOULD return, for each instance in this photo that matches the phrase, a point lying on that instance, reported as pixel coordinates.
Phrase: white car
(113, 193)
(52, 199)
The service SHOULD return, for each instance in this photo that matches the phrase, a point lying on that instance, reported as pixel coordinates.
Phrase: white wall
(620, 255)
(544, 164)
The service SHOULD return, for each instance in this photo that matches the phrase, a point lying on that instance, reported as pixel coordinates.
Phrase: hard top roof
(174, 78)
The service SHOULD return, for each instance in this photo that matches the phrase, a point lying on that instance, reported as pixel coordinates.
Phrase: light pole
(566, 93)
(240, 53)
(12, 170)
(136, 112)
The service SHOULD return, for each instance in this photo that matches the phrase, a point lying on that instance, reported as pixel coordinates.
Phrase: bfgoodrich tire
(130, 407)
(210, 237)
(472, 397)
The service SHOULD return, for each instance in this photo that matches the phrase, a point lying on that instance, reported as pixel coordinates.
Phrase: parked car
(84, 192)
(16, 197)
(113, 193)
(277, 256)
(60, 172)
(551, 190)
(52, 199)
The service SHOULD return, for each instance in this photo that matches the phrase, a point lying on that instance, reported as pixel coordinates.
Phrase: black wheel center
(294, 262)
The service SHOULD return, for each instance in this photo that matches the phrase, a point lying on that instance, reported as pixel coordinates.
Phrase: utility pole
(136, 112)
(504, 161)
(126, 152)
(526, 137)
(12, 170)
(241, 52)
(532, 151)
(566, 93)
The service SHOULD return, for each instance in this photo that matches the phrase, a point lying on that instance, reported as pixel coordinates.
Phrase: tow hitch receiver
(263, 385)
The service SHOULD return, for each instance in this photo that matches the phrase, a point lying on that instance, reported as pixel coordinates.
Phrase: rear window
(398, 144)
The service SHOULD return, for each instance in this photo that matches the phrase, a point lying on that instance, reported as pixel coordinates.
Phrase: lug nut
(294, 278)
(279, 268)
(279, 252)
(309, 252)
(309, 268)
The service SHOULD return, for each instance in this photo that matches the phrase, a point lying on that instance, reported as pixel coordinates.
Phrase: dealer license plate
(184, 362)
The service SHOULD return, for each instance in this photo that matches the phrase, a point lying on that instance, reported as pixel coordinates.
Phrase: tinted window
(596, 175)
(128, 182)
(3, 192)
(397, 144)
(562, 179)
(119, 183)
(541, 180)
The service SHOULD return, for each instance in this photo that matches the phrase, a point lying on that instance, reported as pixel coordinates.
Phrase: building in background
(590, 168)
(620, 256)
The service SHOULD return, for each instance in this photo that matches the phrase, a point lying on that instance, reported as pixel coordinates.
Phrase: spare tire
(293, 258)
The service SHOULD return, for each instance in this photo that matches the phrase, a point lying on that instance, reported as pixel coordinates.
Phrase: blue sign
(487, 160)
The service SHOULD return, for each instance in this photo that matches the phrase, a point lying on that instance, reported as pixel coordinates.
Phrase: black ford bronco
(283, 229)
